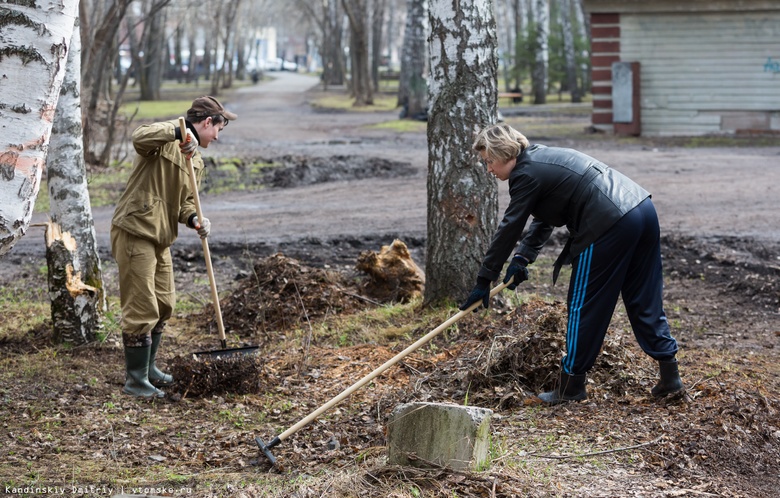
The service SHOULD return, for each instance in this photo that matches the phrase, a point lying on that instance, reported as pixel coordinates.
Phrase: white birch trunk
(412, 89)
(521, 27)
(540, 71)
(583, 26)
(568, 50)
(34, 48)
(78, 304)
(506, 31)
(522, 12)
(583, 33)
(462, 196)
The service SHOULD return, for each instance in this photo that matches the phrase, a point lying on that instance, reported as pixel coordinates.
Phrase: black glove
(481, 292)
(516, 272)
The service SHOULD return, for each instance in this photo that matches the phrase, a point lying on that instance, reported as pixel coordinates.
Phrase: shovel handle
(204, 240)
(389, 363)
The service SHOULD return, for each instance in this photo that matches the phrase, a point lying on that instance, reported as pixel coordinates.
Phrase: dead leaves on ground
(499, 361)
(723, 438)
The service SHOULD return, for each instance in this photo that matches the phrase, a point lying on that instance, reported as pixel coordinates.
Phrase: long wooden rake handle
(204, 241)
(389, 363)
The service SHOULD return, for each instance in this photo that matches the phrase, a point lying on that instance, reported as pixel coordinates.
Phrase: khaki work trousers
(146, 288)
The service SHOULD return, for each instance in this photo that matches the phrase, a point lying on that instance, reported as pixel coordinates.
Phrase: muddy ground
(343, 187)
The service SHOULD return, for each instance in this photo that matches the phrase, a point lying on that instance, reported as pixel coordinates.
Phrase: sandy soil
(701, 192)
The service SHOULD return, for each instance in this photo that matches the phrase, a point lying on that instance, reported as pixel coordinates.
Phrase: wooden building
(694, 67)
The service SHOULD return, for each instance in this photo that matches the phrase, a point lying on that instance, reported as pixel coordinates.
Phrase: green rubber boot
(157, 376)
(670, 383)
(570, 388)
(137, 367)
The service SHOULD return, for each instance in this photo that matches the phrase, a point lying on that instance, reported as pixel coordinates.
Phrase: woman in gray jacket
(613, 247)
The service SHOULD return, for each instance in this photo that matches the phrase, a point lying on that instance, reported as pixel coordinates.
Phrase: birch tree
(507, 33)
(99, 23)
(540, 35)
(332, 55)
(462, 196)
(33, 52)
(569, 50)
(412, 87)
(583, 45)
(360, 75)
(75, 277)
(153, 42)
(325, 15)
(377, 29)
(225, 73)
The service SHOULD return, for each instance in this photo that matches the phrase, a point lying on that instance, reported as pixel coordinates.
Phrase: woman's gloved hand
(481, 292)
(516, 272)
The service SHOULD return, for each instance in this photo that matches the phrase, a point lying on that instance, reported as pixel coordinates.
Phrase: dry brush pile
(727, 425)
(722, 439)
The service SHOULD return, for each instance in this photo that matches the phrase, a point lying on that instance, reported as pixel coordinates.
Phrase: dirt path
(702, 192)
(715, 205)
(698, 191)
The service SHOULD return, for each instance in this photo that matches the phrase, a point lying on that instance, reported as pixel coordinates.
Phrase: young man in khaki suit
(157, 198)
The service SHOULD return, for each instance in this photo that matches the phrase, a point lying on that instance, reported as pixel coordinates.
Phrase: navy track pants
(627, 260)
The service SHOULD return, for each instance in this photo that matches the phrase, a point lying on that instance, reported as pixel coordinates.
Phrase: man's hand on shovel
(202, 226)
(189, 145)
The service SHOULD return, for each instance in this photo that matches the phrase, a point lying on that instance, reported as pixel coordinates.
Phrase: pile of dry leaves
(282, 294)
(200, 376)
(500, 360)
(64, 409)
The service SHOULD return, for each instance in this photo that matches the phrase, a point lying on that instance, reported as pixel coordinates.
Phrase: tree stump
(74, 304)
(393, 274)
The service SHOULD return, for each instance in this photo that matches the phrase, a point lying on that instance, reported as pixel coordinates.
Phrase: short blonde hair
(500, 141)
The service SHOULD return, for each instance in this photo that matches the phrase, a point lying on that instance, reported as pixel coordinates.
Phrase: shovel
(224, 352)
(266, 448)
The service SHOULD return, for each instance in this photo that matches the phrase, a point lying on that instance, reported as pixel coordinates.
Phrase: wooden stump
(393, 274)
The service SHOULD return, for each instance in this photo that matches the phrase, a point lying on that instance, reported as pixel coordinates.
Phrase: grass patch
(537, 126)
(175, 99)
(26, 306)
(401, 126)
(105, 187)
(382, 103)
(153, 110)
(234, 175)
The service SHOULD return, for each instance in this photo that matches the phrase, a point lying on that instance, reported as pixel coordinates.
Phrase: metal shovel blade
(227, 353)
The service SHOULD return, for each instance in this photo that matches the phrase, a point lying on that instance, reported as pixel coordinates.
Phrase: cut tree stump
(73, 303)
(393, 274)
(438, 434)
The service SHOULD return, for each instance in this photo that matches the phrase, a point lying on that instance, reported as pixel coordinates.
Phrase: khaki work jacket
(158, 194)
